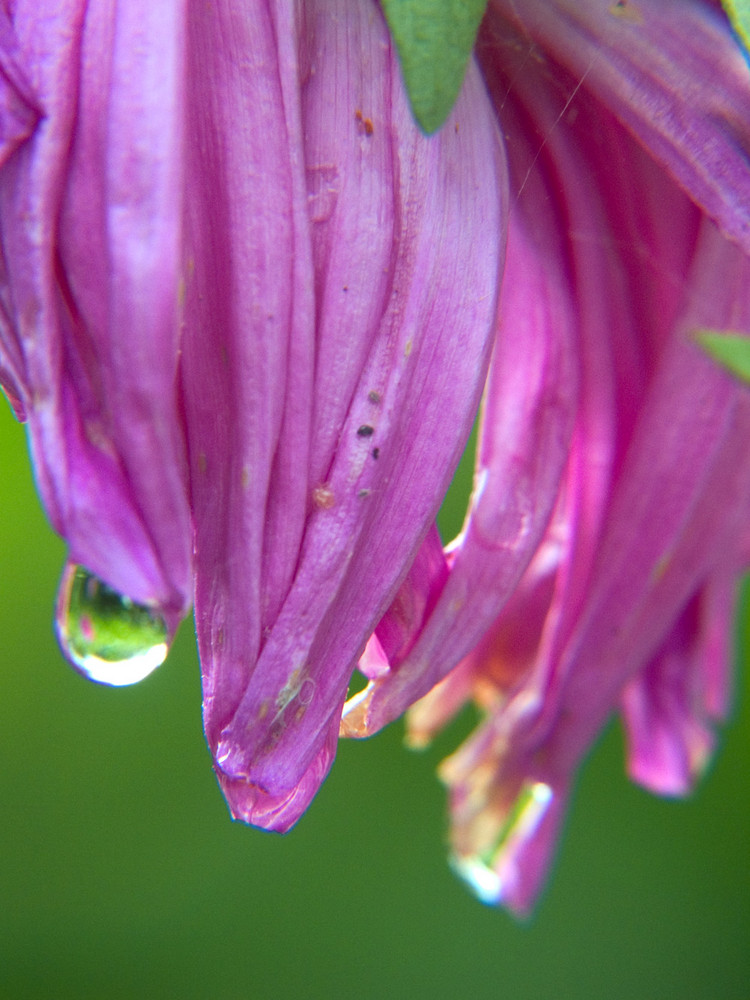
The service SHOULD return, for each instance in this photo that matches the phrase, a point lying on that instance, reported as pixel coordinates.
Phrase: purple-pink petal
(526, 424)
(676, 512)
(19, 111)
(669, 708)
(331, 365)
(91, 243)
(672, 72)
(653, 505)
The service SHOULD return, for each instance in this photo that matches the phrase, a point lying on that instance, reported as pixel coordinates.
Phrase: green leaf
(738, 12)
(434, 39)
(730, 349)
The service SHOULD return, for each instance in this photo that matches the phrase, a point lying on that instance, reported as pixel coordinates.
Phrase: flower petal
(91, 208)
(402, 250)
(657, 486)
(673, 73)
(667, 527)
(19, 114)
(668, 708)
(19, 110)
(504, 823)
(279, 812)
(665, 534)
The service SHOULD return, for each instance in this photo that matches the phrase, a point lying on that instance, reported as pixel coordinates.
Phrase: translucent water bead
(108, 637)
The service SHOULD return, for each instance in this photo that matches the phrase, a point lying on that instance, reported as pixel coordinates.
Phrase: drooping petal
(676, 513)
(504, 823)
(678, 510)
(248, 304)
(669, 708)
(657, 486)
(506, 652)
(569, 241)
(672, 72)
(397, 242)
(90, 219)
(252, 804)
(19, 115)
(19, 111)
(535, 97)
(526, 424)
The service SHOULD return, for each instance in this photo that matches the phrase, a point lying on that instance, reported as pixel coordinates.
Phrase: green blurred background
(123, 876)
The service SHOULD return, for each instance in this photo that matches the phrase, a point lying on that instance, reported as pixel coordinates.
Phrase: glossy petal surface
(330, 402)
(628, 156)
(91, 248)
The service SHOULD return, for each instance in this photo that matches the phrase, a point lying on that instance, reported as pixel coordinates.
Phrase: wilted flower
(598, 563)
(246, 308)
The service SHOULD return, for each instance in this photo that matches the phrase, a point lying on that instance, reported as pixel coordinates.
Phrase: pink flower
(597, 566)
(246, 308)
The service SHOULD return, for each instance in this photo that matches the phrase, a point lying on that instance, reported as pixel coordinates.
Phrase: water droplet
(106, 636)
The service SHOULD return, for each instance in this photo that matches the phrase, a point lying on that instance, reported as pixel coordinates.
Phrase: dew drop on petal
(106, 636)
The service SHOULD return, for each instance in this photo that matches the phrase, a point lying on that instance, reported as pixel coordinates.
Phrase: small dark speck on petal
(365, 124)
(626, 11)
(376, 452)
(365, 431)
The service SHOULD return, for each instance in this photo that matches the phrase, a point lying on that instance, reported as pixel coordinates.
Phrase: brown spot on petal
(202, 463)
(626, 11)
(661, 567)
(245, 478)
(365, 124)
(323, 497)
(374, 396)
(277, 731)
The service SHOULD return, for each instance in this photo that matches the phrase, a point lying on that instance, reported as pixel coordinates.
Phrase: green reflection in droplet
(106, 636)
